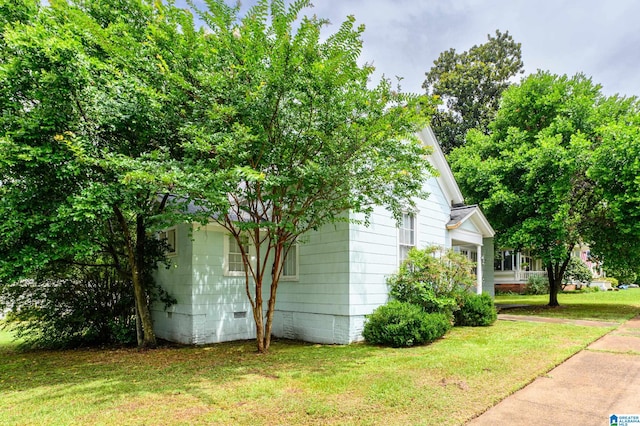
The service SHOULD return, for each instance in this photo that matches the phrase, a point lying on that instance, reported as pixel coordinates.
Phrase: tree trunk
(149, 336)
(555, 273)
(139, 332)
(259, 320)
(271, 307)
(553, 292)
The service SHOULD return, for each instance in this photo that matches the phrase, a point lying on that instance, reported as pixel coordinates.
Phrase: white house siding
(487, 267)
(210, 307)
(433, 214)
(176, 323)
(316, 307)
(373, 253)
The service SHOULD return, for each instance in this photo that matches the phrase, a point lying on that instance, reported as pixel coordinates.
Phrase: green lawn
(448, 382)
(606, 306)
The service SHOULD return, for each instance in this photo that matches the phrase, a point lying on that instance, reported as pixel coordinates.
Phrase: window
(406, 235)
(290, 265)
(504, 260)
(169, 237)
(234, 265)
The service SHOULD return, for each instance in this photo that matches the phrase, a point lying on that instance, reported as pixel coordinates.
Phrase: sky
(600, 39)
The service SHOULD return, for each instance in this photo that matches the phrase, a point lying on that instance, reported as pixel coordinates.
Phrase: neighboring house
(331, 279)
(512, 269)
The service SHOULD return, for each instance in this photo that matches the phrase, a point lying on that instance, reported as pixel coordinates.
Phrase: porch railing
(524, 275)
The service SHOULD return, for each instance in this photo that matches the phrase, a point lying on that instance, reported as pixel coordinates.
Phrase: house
(512, 269)
(331, 280)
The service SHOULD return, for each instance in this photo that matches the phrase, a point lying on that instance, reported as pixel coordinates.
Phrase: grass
(449, 382)
(616, 306)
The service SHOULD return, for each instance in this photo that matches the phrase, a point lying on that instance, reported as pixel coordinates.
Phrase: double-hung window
(406, 235)
(290, 264)
(234, 264)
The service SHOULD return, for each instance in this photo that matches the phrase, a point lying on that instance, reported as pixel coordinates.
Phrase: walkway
(602, 380)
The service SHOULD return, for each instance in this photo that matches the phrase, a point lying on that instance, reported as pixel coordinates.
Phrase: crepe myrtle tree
(296, 136)
(532, 173)
(90, 135)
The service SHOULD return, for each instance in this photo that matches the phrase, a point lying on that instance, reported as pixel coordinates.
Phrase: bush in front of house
(89, 309)
(476, 310)
(401, 324)
(537, 284)
(433, 278)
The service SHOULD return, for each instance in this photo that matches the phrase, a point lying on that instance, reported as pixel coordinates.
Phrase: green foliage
(577, 271)
(91, 134)
(537, 284)
(434, 279)
(289, 127)
(262, 121)
(470, 85)
(401, 324)
(532, 176)
(476, 310)
(614, 281)
(87, 309)
(617, 228)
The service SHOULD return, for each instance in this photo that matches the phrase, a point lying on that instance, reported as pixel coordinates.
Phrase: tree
(295, 137)
(470, 85)
(91, 137)
(531, 173)
(616, 169)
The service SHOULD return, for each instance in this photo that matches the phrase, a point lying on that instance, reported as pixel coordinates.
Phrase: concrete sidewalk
(602, 380)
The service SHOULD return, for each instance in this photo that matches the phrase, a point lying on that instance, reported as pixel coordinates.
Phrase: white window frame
(227, 252)
(170, 235)
(295, 251)
(403, 247)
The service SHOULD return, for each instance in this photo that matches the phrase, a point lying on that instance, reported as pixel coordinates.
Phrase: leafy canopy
(289, 128)
(531, 173)
(91, 134)
(470, 84)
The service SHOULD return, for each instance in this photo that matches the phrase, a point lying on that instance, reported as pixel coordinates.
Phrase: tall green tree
(90, 135)
(469, 84)
(531, 173)
(296, 137)
(616, 170)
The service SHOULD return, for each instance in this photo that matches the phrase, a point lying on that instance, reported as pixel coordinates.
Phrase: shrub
(477, 310)
(614, 281)
(432, 278)
(95, 308)
(537, 284)
(577, 271)
(401, 324)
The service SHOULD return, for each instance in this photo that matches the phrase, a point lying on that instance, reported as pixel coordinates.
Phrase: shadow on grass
(607, 306)
(112, 373)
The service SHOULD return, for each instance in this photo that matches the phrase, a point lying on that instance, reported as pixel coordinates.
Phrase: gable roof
(460, 212)
(437, 159)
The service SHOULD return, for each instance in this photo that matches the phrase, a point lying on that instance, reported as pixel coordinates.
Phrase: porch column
(479, 269)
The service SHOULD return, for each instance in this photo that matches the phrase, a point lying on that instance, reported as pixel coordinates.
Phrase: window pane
(235, 255)
(406, 235)
(289, 266)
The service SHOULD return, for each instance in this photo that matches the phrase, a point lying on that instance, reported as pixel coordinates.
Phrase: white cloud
(404, 37)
